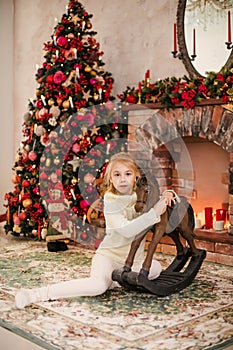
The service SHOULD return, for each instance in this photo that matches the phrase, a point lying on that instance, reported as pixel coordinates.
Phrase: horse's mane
(153, 189)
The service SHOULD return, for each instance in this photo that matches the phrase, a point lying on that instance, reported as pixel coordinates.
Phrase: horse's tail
(191, 217)
(176, 212)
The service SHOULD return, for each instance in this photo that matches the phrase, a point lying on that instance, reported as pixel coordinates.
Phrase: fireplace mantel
(207, 102)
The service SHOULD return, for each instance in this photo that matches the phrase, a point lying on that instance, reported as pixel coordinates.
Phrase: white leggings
(99, 281)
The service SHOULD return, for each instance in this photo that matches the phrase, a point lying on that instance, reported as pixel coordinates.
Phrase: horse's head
(142, 190)
(147, 193)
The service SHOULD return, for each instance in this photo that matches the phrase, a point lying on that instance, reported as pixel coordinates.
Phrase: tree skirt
(199, 317)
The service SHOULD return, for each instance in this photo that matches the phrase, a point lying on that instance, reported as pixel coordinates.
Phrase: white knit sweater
(122, 225)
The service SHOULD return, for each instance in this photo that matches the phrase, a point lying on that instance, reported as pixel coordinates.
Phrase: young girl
(122, 225)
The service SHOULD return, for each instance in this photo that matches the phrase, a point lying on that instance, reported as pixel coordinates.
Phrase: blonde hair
(121, 157)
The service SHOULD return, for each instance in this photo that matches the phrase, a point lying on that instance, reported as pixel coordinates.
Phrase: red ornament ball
(16, 220)
(76, 148)
(99, 139)
(83, 204)
(25, 183)
(22, 216)
(32, 156)
(84, 236)
(131, 99)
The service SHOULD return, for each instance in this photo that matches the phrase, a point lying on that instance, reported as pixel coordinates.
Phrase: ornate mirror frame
(182, 44)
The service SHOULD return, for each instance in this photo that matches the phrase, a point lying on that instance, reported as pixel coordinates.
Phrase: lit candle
(31, 101)
(84, 219)
(77, 73)
(71, 102)
(55, 40)
(147, 78)
(34, 144)
(197, 223)
(194, 42)
(108, 148)
(175, 41)
(139, 87)
(57, 53)
(220, 214)
(73, 194)
(43, 100)
(74, 233)
(100, 93)
(83, 25)
(75, 53)
(229, 26)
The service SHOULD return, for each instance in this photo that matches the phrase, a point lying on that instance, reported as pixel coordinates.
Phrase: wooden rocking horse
(177, 220)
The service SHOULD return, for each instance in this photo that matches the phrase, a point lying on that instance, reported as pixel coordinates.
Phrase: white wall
(6, 98)
(135, 35)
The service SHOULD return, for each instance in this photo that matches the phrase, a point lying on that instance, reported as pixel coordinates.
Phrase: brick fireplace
(209, 121)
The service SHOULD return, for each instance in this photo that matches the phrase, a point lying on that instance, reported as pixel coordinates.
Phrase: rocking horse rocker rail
(172, 279)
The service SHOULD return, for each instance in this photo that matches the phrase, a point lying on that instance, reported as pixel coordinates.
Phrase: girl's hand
(161, 206)
(171, 197)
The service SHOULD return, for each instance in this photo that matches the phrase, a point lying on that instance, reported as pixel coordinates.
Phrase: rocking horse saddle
(171, 280)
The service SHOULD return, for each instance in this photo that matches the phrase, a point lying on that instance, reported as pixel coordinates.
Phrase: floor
(10, 340)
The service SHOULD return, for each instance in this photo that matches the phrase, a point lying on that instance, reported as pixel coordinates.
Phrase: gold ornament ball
(42, 158)
(89, 178)
(66, 104)
(48, 162)
(34, 233)
(27, 202)
(17, 228)
(56, 161)
(87, 69)
(93, 73)
(70, 36)
(89, 25)
(74, 181)
(51, 102)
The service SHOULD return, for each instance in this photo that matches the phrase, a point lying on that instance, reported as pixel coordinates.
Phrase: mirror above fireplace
(202, 30)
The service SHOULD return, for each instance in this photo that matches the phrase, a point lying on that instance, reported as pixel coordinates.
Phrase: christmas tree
(70, 130)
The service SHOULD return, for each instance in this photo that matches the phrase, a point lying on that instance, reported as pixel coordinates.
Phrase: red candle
(139, 87)
(147, 75)
(175, 41)
(208, 217)
(229, 26)
(194, 42)
(220, 214)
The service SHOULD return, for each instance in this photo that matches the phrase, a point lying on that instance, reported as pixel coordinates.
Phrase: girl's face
(123, 178)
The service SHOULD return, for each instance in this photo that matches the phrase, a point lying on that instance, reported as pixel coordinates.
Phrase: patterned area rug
(199, 317)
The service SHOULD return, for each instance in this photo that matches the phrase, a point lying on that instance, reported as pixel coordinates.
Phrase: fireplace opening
(210, 176)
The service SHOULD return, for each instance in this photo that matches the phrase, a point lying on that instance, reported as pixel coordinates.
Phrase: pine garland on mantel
(186, 91)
